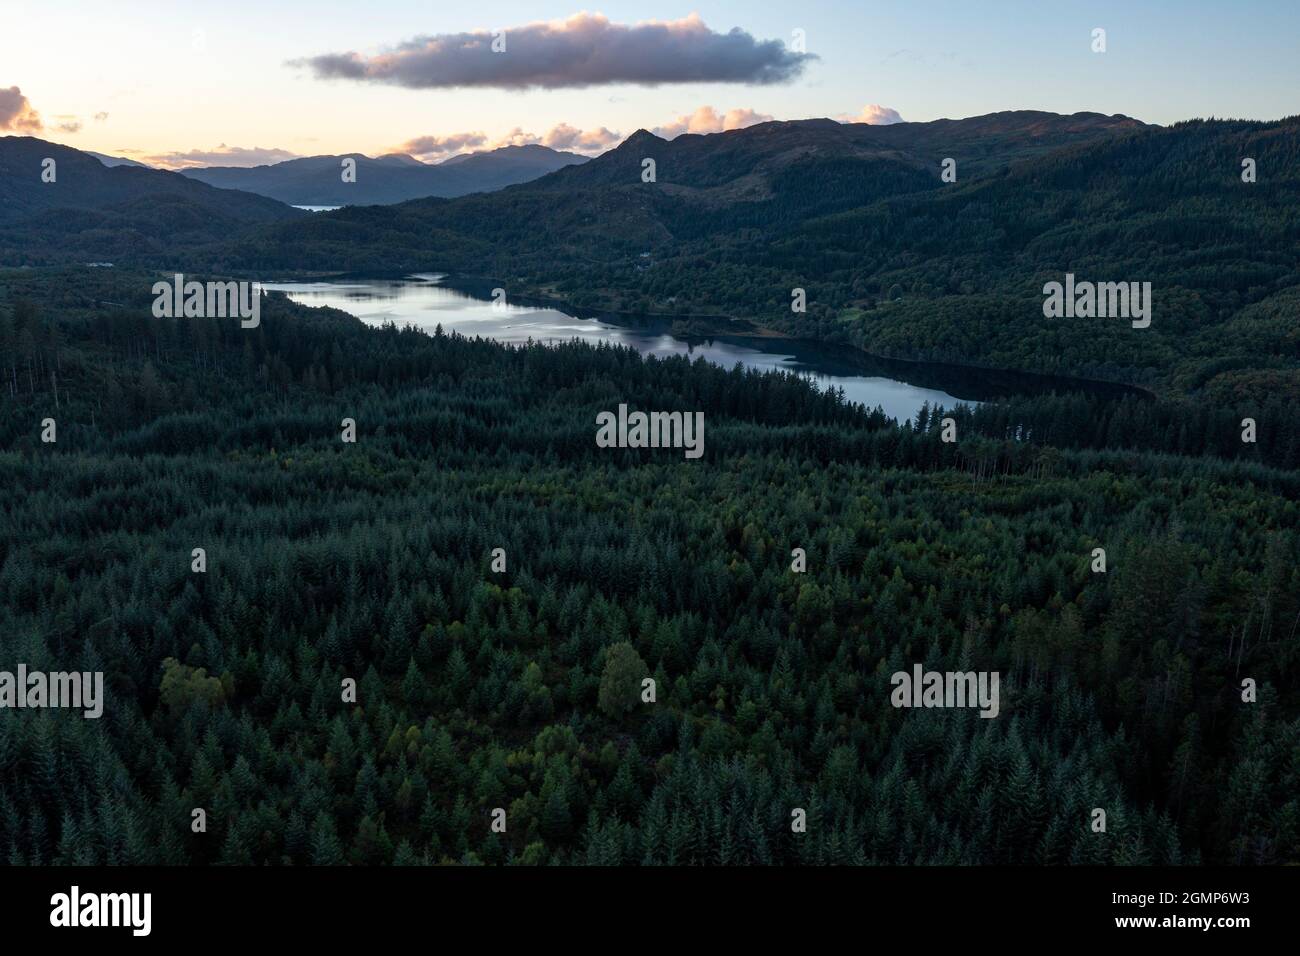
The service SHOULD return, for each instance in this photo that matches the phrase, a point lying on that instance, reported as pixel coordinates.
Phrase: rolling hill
(773, 175)
(393, 178)
(90, 210)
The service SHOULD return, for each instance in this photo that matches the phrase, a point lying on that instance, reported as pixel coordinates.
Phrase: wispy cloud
(16, 112)
(708, 120)
(584, 50)
(223, 155)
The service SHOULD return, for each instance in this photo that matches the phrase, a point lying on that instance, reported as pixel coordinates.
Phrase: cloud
(100, 117)
(67, 124)
(707, 120)
(566, 137)
(223, 155)
(16, 112)
(517, 137)
(562, 136)
(584, 50)
(431, 148)
(873, 115)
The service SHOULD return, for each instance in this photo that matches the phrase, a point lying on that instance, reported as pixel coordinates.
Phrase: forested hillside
(60, 205)
(892, 259)
(519, 690)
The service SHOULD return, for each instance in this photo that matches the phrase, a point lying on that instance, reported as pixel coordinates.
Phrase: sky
(185, 82)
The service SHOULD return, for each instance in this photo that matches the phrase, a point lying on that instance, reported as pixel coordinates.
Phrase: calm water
(899, 388)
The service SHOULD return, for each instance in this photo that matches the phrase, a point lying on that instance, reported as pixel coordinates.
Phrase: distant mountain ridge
(723, 185)
(115, 160)
(387, 179)
(704, 161)
(84, 208)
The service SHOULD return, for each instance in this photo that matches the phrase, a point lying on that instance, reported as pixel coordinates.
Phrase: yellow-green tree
(620, 684)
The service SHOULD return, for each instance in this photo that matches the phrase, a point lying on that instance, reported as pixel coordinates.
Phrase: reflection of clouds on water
(422, 303)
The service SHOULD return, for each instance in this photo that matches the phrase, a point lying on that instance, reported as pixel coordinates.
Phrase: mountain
(115, 160)
(892, 259)
(392, 178)
(744, 161)
(90, 210)
(398, 159)
(739, 187)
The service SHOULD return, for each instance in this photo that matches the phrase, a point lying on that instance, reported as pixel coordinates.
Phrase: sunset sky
(243, 82)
